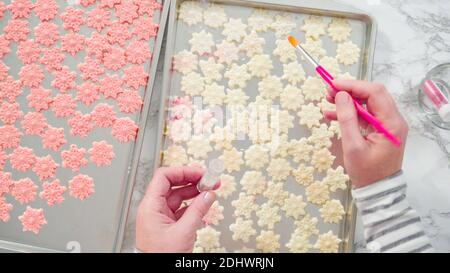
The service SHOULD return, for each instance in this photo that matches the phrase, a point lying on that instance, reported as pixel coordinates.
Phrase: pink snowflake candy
(91, 69)
(3, 158)
(86, 3)
(87, 93)
(9, 137)
(103, 115)
(10, 113)
(129, 101)
(4, 70)
(64, 79)
(5, 209)
(144, 28)
(147, 6)
(72, 19)
(28, 51)
(46, 9)
(39, 98)
(45, 167)
(111, 86)
(34, 123)
(109, 3)
(31, 75)
(2, 9)
(52, 192)
(6, 182)
(17, 30)
(53, 59)
(63, 105)
(98, 18)
(22, 159)
(20, 8)
(115, 59)
(97, 45)
(74, 158)
(126, 11)
(53, 138)
(135, 76)
(32, 220)
(81, 186)
(81, 125)
(10, 89)
(124, 130)
(72, 43)
(24, 190)
(138, 52)
(46, 33)
(101, 153)
(118, 33)
(4, 46)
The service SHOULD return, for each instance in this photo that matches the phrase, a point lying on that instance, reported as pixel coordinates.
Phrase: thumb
(192, 217)
(348, 121)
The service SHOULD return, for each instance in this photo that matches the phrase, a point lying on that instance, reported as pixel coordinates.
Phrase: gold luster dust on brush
(293, 41)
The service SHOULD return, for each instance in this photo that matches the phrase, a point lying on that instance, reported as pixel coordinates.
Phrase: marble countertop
(413, 37)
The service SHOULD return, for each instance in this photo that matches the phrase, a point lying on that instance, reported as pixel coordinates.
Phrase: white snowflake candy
(326, 106)
(252, 44)
(179, 130)
(212, 71)
(293, 73)
(327, 243)
(310, 115)
(275, 193)
(245, 250)
(317, 193)
(304, 175)
(185, 62)
(335, 128)
(260, 20)
(260, 65)
(192, 84)
(280, 148)
(256, 157)
(298, 243)
(236, 97)
(307, 226)
(321, 137)
(242, 230)
(291, 98)
(190, 12)
(345, 76)
(285, 51)
(332, 211)
(226, 52)
(214, 16)
(300, 150)
(331, 65)
(314, 48)
(227, 186)
(201, 42)
(268, 215)
(294, 206)
(237, 76)
(208, 238)
(348, 53)
(244, 205)
(222, 137)
(268, 241)
(314, 89)
(279, 169)
(232, 159)
(213, 94)
(283, 25)
(281, 121)
(270, 87)
(339, 30)
(253, 182)
(336, 179)
(199, 163)
(175, 155)
(234, 30)
(214, 214)
(314, 27)
(322, 159)
(198, 147)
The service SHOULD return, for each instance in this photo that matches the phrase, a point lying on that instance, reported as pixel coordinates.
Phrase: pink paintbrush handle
(362, 112)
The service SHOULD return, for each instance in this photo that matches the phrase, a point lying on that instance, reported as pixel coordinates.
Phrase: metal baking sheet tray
(96, 224)
(363, 34)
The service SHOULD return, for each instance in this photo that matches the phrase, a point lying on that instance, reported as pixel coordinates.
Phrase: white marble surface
(413, 37)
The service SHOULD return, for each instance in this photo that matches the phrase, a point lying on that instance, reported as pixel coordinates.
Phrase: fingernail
(208, 197)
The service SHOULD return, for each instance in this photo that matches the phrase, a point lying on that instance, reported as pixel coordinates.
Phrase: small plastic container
(211, 176)
(434, 94)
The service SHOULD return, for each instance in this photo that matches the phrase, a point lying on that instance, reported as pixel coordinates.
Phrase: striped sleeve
(389, 222)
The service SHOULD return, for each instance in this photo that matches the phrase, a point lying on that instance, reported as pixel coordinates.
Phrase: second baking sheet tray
(363, 35)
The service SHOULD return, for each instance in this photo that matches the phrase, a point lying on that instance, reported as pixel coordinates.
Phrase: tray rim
(348, 229)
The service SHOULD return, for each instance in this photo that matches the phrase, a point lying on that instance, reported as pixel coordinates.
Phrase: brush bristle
(293, 41)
